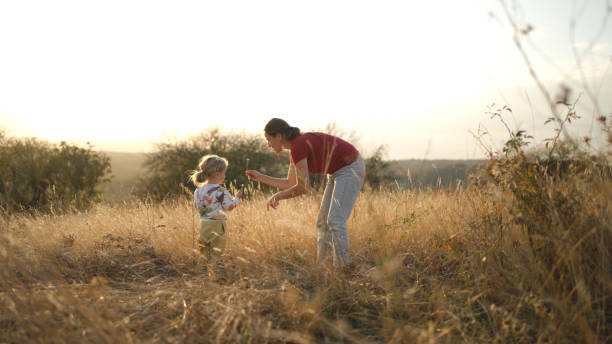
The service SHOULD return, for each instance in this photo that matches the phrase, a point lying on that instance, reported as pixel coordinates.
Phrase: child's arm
(228, 203)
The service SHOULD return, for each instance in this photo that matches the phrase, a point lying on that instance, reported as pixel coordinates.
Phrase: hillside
(414, 173)
(126, 168)
(418, 173)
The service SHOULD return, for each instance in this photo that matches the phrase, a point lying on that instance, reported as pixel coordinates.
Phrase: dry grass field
(430, 267)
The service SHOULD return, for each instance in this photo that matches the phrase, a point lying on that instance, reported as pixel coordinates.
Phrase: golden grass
(446, 266)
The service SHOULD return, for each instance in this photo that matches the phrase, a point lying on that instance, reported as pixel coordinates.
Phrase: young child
(213, 202)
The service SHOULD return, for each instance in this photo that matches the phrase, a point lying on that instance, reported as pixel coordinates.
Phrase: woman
(318, 153)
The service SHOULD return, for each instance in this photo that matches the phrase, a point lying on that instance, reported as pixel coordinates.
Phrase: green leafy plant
(44, 177)
(167, 169)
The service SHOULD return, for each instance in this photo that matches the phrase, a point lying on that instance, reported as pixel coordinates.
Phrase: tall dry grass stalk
(446, 267)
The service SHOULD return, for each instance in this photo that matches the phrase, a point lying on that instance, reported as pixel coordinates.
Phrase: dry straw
(446, 266)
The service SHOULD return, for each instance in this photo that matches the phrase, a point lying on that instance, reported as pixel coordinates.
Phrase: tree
(168, 169)
(377, 170)
(38, 176)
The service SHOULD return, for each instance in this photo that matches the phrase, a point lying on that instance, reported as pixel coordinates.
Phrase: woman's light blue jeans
(337, 204)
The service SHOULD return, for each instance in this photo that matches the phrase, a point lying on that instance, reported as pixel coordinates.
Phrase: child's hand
(239, 194)
(253, 175)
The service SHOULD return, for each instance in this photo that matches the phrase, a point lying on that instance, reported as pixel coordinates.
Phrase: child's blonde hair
(209, 165)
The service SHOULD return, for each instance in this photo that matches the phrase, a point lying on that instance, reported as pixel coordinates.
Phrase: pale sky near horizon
(414, 76)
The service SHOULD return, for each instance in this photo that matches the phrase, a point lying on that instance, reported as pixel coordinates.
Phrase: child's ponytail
(209, 164)
(198, 177)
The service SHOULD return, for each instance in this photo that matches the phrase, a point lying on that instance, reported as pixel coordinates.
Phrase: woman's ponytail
(279, 126)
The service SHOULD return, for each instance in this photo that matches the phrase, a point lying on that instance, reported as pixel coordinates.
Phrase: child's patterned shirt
(213, 201)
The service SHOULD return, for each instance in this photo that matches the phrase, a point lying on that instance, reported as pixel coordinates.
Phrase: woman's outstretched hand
(272, 202)
(253, 175)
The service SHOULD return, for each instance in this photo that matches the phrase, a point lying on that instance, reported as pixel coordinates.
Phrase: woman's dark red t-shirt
(326, 153)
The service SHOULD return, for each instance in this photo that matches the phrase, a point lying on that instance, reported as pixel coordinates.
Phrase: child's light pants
(211, 241)
(338, 201)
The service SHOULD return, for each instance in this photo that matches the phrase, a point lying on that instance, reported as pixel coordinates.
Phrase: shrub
(39, 176)
(560, 200)
(168, 169)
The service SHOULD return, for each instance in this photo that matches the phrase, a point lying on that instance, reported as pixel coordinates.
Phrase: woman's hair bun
(279, 126)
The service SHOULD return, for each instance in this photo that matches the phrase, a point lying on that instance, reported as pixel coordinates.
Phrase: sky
(416, 77)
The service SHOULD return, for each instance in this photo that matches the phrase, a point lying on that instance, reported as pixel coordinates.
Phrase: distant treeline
(166, 171)
(136, 174)
(39, 176)
(432, 174)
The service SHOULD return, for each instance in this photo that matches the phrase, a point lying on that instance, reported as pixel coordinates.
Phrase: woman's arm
(281, 183)
(302, 186)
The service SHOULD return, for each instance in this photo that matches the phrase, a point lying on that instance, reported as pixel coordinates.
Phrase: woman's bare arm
(301, 187)
(281, 183)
